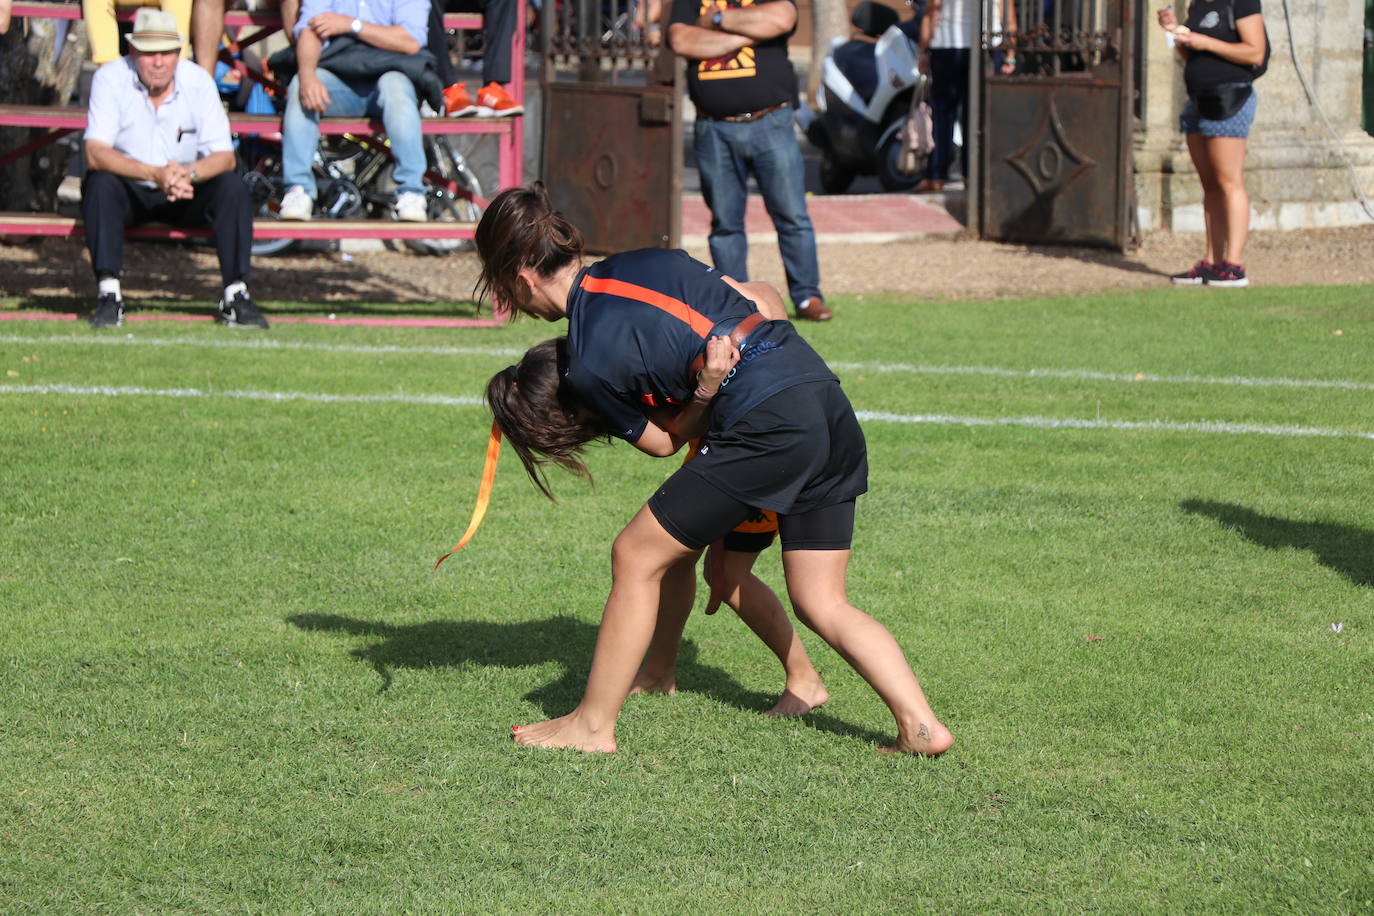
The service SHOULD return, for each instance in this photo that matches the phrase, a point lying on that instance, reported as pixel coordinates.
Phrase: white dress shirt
(189, 125)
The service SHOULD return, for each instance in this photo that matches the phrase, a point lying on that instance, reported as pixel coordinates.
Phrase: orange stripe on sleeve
(680, 310)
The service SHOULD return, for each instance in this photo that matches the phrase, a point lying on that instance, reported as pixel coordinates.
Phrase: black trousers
(948, 103)
(498, 28)
(110, 204)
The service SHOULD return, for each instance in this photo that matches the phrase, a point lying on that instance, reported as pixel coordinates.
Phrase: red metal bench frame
(63, 120)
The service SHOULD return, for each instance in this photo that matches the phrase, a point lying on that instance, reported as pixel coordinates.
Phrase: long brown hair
(541, 418)
(520, 229)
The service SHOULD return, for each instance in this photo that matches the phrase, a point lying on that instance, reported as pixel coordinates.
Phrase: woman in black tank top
(1222, 44)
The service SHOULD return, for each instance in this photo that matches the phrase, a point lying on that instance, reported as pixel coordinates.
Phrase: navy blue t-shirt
(637, 321)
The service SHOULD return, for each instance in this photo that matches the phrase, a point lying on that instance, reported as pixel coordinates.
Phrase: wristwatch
(356, 26)
(716, 18)
(194, 177)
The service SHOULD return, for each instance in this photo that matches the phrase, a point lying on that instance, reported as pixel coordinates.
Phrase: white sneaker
(296, 204)
(411, 207)
(69, 191)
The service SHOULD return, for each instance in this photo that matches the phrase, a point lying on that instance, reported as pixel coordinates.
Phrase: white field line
(1090, 375)
(1212, 427)
(258, 344)
(506, 352)
(130, 391)
(1200, 426)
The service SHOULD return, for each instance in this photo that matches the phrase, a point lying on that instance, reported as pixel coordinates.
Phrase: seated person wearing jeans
(158, 149)
(397, 26)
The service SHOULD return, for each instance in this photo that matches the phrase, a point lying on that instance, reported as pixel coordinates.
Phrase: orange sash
(483, 491)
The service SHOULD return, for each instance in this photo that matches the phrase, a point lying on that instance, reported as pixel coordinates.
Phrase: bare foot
(798, 700)
(567, 731)
(645, 682)
(930, 740)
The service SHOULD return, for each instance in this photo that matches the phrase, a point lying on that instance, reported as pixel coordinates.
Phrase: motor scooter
(869, 103)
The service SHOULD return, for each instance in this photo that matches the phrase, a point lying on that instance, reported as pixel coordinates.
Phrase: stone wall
(1298, 174)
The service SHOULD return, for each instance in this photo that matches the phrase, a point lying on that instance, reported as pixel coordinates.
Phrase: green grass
(231, 681)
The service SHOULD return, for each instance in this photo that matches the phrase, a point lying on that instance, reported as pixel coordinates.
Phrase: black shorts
(696, 514)
(798, 452)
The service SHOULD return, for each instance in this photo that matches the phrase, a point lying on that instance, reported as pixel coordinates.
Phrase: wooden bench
(62, 120)
(54, 226)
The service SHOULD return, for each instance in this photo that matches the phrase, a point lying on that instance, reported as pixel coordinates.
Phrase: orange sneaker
(494, 102)
(457, 102)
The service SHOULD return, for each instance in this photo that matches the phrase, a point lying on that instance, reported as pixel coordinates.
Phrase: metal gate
(1054, 159)
(612, 126)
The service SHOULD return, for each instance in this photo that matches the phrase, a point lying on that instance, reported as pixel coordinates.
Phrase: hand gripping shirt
(636, 322)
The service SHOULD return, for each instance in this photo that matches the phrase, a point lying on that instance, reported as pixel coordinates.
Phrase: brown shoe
(929, 186)
(813, 309)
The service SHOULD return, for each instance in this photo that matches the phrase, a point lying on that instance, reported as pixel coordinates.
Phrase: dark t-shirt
(637, 320)
(1205, 70)
(751, 79)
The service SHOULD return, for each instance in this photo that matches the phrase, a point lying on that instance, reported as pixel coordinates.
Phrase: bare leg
(762, 612)
(290, 9)
(765, 297)
(658, 674)
(642, 555)
(207, 28)
(815, 581)
(1227, 155)
(1213, 200)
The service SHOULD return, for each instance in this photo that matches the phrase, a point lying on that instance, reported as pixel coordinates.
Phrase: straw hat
(155, 30)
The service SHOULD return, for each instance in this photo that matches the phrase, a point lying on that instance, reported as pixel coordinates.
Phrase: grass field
(1126, 541)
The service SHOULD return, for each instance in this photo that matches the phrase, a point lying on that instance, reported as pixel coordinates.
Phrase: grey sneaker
(109, 311)
(240, 312)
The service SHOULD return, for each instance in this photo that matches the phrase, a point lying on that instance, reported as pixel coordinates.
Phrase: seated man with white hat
(158, 149)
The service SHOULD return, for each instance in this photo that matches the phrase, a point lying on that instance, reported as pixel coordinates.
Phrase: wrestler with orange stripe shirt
(779, 434)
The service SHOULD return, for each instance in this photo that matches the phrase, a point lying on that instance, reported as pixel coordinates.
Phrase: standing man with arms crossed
(742, 84)
(158, 149)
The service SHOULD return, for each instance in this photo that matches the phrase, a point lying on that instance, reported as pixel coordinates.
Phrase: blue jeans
(727, 151)
(392, 97)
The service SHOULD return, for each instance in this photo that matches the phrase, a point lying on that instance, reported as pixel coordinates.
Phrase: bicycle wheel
(259, 164)
(451, 194)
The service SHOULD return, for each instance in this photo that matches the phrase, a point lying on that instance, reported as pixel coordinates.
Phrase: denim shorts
(1238, 125)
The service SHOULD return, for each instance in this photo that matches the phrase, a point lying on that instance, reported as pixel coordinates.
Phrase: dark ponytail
(521, 229)
(540, 417)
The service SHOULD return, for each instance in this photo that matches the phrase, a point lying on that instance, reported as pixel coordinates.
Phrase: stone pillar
(1298, 174)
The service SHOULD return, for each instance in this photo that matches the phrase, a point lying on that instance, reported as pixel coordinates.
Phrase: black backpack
(1262, 67)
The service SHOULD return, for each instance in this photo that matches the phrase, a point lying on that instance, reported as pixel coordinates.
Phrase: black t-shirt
(1213, 18)
(637, 320)
(751, 79)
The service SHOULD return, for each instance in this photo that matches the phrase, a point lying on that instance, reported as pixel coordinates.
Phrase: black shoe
(109, 311)
(1227, 274)
(240, 312)
(1194, 276)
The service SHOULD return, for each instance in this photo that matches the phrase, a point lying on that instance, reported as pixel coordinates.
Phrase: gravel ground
(930, 267)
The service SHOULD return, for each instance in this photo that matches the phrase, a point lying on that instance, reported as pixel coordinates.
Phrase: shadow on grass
(1344, 548)
(565, 640)
(81, 308)
(56, 277)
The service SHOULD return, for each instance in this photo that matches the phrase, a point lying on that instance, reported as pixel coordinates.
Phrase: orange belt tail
(483, 492)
